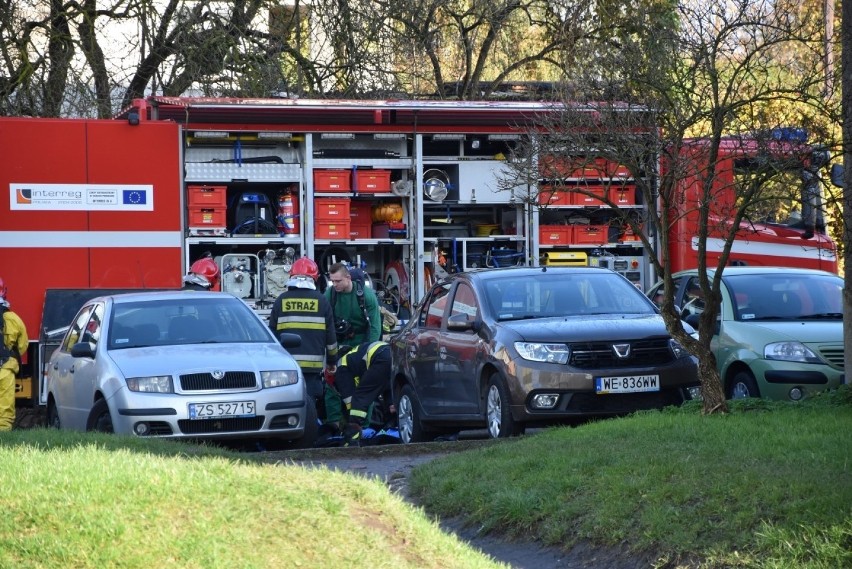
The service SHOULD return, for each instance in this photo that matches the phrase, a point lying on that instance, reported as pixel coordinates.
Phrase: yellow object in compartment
(565, 259)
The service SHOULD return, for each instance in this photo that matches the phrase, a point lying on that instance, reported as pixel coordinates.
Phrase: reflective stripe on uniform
(374, 347)
(305, 322)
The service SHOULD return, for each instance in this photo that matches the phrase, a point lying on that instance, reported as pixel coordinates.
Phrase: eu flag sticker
(134, 197)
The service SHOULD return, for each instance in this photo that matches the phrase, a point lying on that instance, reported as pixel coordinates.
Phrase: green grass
(73, 500)
(768, 485)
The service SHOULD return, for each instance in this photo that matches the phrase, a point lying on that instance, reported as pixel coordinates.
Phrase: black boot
(352, 435)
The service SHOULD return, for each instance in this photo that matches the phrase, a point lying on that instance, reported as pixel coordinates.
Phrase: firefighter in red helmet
(203, 275)
(13, 343)
(303, 310)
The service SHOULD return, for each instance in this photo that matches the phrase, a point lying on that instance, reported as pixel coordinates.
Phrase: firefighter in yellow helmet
(14, 343)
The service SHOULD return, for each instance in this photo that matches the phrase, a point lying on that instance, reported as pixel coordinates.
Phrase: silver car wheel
(406, 419)
(494, 411)
(739, 391)
(744, 386)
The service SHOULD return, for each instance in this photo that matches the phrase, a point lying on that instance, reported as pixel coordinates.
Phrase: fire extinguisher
(288, 213)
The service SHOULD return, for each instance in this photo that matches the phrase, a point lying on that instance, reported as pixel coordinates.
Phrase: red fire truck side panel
(108, 163)
(80, 208)
(43, 151)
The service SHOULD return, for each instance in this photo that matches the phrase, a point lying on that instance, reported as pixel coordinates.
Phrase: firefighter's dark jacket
(307, 313)
(354, 364)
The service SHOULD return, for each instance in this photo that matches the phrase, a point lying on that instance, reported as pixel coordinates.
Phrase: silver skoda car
(183, 365)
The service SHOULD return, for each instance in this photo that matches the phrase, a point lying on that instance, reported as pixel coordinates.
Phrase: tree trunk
(711, 386)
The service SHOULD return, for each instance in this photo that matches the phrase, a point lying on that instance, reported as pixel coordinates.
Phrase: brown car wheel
(498, 413)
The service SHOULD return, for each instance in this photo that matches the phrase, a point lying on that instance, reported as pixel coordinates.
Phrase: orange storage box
(361, 212)
(554, 234)
(623, 195)
(580, 167)
(207, 196)
(549, 196)
(332, 209)
(202, 216)
(588, 200)
(332, 181)
(628, 235)
(371, 181)
(360, 230)
(332, 230)
(591, 234)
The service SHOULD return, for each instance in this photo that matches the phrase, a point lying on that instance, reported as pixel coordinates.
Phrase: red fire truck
(404, 189)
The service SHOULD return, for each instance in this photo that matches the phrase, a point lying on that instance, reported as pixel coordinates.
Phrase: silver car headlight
(151, 384)
(549, 353)
(278, 378)
(678, 350)
(790, 352)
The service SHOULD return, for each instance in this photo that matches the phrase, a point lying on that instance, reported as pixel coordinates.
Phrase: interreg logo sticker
(81, 197)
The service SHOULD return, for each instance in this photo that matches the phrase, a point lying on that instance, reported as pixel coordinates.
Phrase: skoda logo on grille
(621, 350)
(218, 375)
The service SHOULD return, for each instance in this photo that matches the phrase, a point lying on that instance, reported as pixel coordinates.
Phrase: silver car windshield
(185, 321)
(786, 296)
(549, 295)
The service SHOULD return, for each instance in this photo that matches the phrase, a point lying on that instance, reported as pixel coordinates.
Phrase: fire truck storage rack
(576, 223)
(405, 200)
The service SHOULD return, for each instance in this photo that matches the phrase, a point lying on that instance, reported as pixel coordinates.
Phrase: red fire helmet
(304, 266)
(207, 268)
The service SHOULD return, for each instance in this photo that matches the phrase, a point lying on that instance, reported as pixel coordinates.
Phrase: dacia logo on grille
(621, 350)
(218, 375)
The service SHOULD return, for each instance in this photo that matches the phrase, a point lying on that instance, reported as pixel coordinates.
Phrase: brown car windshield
(550, 295)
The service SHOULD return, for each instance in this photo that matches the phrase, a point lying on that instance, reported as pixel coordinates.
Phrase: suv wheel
(497, 410)
(743, 386)
(99, 418)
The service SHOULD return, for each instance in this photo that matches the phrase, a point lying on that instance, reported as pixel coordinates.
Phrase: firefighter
(14, 343)
(363, 374)
(203, 275)
(303, 310)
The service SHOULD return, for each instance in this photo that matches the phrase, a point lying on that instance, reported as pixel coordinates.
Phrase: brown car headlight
(677, 350)
(547, 353)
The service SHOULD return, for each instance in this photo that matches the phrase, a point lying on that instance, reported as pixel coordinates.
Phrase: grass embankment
(95, 501)
(768, 485)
